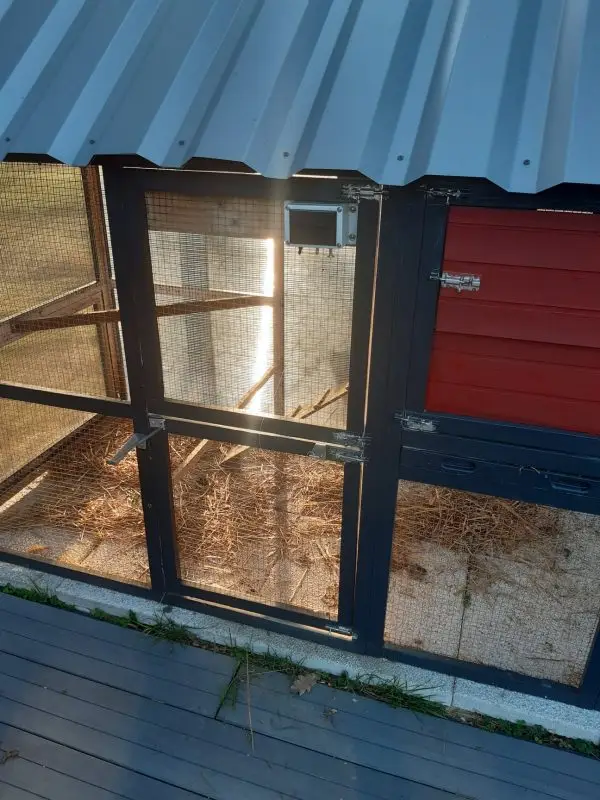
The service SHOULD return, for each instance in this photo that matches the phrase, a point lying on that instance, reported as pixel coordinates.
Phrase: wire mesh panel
(259, 525)
(492, 581)
(59, 499)
(58, 316)
(245, 322)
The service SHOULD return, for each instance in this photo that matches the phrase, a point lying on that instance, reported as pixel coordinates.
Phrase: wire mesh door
(247, 322)
(254, 355)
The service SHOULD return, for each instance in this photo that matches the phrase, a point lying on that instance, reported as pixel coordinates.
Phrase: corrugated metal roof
(503, 89)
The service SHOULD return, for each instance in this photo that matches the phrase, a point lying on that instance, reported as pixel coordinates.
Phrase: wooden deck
(90, 711)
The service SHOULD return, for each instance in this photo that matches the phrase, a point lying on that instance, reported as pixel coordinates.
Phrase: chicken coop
(344, 386)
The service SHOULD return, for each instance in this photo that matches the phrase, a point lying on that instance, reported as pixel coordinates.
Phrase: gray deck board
(79, 623)
(442, 729)
(96, 711)
(110, 777)
(234, 738)
(378, 745)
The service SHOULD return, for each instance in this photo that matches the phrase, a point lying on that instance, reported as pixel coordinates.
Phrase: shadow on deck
(91, 711)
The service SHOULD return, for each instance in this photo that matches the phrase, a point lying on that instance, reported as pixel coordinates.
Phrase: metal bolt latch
(462, 283)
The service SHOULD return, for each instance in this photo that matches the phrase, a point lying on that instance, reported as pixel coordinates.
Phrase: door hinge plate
(342, 630)
(355, 192)
(351, 449)
(462, 283)
(443, 191)
(411, 422)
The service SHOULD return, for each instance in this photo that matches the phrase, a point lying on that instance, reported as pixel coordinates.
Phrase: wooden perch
(114, 315)
(301, 412)
(193, 457)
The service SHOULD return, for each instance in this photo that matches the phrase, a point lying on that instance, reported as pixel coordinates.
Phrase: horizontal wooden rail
(66, 303)
(114, 315)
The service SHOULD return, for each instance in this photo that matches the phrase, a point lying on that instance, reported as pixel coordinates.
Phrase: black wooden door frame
(125, 195)
(510, 458)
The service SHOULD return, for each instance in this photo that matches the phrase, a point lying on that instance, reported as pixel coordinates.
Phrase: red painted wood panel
(528, 377)
(526, 347)
(519, 351)
(509, 406)
(525, 285)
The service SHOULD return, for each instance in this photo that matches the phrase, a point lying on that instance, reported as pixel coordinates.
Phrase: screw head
(339, 209)
(339, 244)
(92, 141)
(526, 162)
(353, 209)
(352, 237)
(181, 142)
(286, 154)
(287, 241)
(400, 158)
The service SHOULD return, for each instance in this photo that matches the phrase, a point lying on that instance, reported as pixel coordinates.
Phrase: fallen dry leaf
(7, 755)
(304, 683)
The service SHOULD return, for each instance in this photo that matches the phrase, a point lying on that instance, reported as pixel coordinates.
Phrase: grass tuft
(37, 594)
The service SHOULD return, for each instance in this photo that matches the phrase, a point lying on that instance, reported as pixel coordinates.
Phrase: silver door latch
(462, 283)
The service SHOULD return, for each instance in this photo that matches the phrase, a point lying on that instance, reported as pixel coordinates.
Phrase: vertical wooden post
(278, 327)
(110, 346)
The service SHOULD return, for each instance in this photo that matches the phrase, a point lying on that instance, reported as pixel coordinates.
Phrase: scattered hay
(483, 530)
(266, 524)
(260, 522)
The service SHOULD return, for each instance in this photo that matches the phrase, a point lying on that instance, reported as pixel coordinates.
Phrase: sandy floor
(533, 619)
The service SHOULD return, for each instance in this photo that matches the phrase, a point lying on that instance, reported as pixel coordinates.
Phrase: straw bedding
(237, 521)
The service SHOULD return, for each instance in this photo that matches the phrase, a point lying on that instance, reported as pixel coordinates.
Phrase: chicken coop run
(256, 358)
(213, 390)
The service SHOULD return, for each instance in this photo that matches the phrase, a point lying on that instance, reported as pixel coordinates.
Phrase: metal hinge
(350, 451)
(138, 439)
(443, 192)
(342, 630)
(462, 283)
(355, 192)
(414, 423)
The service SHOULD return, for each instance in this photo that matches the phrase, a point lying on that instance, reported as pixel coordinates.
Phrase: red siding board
(508, 406)
(549, 249)
(520, 351)
(529, 285)
(526, 347)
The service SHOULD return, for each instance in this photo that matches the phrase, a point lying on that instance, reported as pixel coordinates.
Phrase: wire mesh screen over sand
(273, 311)
(61, 502)
(55, 280)
(493, 581)
(258, 524)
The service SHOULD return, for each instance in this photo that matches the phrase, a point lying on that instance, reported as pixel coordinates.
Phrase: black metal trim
(241, 420)
(133, 275)
(401, 229)
(285, 613)
(75, 574)
(480, 673)
(157, 500)
(369, 213)
(528, 436)
(60, 399)
(431, 260)
(265, 621)
(483, 193)
(505, 453)
(252, 185)
(250, 438)
(500, 480)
